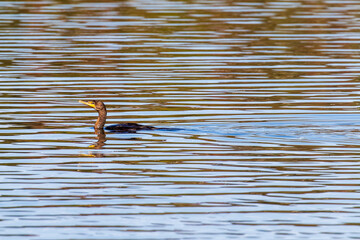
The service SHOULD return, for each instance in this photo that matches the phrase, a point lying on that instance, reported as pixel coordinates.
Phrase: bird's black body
(128, 127)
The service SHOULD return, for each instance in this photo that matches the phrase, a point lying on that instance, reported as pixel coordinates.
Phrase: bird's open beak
(87, 103)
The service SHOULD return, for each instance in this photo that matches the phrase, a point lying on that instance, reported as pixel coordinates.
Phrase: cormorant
(99, 106)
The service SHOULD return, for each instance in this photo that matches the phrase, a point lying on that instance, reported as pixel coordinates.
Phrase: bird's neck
(100, 122)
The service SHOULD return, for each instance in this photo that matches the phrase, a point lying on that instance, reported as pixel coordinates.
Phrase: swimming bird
(100, 107)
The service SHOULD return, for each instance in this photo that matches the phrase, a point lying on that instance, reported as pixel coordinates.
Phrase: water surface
(263, 94)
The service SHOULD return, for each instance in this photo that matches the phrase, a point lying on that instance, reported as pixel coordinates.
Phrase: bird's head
(96, 104)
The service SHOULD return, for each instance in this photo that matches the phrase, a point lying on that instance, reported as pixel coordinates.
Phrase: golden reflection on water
(264, 95)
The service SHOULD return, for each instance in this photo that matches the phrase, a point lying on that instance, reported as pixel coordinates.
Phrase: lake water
(263, 97)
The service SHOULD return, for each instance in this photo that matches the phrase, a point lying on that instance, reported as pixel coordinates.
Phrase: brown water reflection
(265, 94)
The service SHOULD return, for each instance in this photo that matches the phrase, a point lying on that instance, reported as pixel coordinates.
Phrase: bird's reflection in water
(101, 141)
(101, 138)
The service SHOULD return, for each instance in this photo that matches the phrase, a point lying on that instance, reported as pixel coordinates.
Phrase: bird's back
(128, 127)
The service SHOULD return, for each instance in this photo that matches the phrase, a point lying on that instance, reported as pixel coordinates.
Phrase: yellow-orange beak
(87, 103)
